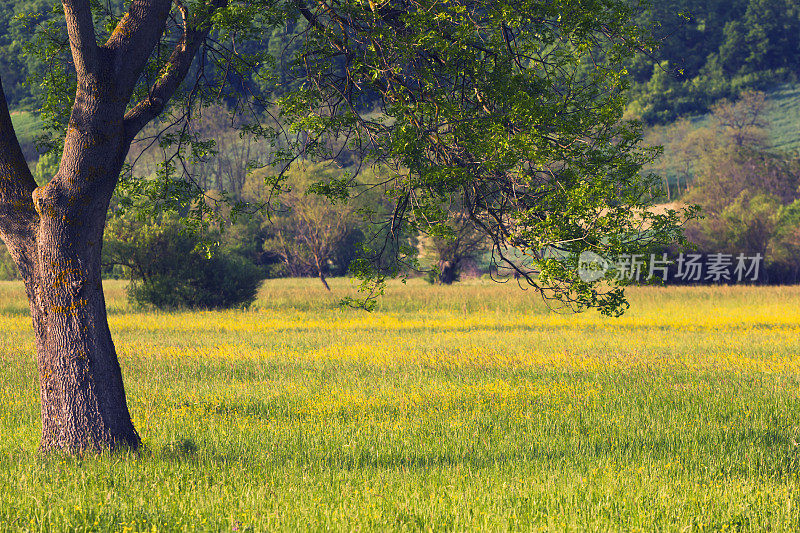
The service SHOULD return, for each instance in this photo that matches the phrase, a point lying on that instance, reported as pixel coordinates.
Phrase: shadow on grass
(180, 450)
(765, 454)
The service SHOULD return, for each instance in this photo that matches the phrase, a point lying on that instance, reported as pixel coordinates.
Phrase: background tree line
(748, 191)
(305, 234)
(712, 49)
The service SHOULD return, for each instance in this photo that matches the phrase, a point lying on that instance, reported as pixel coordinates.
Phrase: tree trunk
(82, 396)
(324, 281)
(448, 272)
(318, 264)
(83, 403)
(55, 234)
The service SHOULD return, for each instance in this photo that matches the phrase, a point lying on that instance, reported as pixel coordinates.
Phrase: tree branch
(80, 28)
(16, 182)
(17, 213)
(135, 38)
(172, 74)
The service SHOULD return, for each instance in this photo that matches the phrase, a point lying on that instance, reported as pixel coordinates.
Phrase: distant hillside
(712, 49)
(27, 126)
(782, 115)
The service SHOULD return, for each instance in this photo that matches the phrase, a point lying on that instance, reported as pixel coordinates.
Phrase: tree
(766, 38)
(676, 163)
(732, 156)
(308, 229)
(463, 241)
(743, 121)
(171, 267)
(747, 191)
(55, 232)
(513, 107)
(784, 246)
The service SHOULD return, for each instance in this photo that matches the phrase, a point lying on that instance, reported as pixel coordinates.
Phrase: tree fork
(58, 251)
(82, 398)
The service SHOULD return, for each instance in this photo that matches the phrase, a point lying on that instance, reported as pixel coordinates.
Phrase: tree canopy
(707, 50)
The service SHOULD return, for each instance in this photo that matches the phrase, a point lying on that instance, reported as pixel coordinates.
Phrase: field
(449, 408)
(782, 115)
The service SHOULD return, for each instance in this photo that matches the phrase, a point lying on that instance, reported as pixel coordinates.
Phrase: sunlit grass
(449, 408)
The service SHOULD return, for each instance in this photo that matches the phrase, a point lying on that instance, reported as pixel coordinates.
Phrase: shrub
(170, 268)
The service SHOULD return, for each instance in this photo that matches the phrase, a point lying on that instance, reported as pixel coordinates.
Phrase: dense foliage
(713, 49)
(748, 191)
(709, 49)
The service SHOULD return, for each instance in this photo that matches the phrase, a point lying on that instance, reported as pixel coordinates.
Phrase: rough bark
(55, 232)
(83, 399)
(82, 395)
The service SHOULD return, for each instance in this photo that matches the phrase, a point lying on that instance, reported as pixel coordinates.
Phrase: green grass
(450, 408)
(784, 117)
(26, 125)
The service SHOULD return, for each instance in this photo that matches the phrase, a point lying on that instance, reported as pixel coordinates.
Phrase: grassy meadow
(469, 407)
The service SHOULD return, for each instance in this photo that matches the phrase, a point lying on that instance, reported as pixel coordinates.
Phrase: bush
(169, 268)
